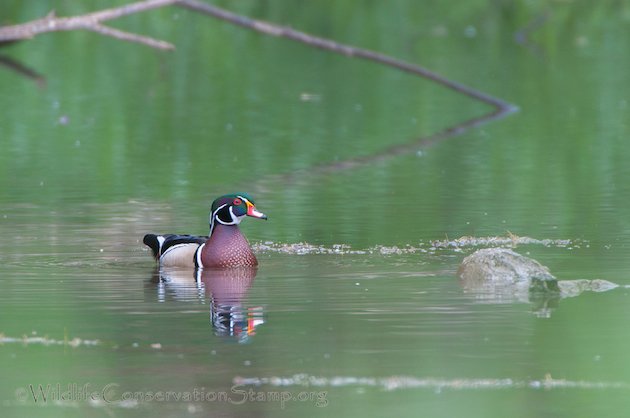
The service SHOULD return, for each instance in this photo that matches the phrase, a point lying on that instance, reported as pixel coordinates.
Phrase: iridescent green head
(230, 209)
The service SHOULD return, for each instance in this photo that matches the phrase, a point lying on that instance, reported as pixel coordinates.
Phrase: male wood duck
(225, 246)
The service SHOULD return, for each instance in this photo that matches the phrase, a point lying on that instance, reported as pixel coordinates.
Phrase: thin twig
(128, 36)
(91, 21)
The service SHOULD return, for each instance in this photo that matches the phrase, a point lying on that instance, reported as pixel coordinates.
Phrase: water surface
(355, 309)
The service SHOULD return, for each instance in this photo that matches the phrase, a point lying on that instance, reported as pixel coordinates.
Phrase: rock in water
(499, 275)
(493, 269)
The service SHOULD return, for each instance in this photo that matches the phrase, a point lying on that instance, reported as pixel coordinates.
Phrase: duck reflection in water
(225, 289)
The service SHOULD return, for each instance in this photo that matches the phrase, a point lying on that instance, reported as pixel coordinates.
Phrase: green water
(365, 317)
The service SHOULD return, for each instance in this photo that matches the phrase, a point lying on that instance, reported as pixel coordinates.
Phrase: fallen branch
(90, 21)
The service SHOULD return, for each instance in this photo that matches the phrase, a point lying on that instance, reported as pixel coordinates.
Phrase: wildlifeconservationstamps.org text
(112, 394)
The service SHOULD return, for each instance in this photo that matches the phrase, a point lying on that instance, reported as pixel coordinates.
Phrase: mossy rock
(504, 268)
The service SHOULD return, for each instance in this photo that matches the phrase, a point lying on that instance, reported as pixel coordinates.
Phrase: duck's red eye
(237, 202)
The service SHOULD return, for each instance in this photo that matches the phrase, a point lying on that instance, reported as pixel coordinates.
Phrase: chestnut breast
(227, 247)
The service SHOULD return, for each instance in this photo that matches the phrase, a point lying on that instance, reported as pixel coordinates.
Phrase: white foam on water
(34, 339)
(431, 247)
(408, 382)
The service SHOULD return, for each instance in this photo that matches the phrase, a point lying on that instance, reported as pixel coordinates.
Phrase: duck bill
(251, 211)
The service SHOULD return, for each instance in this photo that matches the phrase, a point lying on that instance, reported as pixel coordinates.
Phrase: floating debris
(303, 248)
(408, 382)
(310, 97)
(385, 250)
(74, 342)
(34, 339)
(509, 240)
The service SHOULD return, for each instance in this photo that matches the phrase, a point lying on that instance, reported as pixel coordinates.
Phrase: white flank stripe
(198, 255)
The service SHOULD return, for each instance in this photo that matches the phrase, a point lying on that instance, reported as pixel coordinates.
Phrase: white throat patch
(235, 219)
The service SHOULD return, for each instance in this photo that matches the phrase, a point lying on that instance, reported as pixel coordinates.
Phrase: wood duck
(225, 246)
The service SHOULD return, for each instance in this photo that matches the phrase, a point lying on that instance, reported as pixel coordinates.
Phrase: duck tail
(155, 243)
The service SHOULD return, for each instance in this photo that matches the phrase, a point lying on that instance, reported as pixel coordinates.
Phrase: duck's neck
(216, 221)
(227, 247)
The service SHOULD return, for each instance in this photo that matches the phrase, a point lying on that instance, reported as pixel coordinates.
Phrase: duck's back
(174, 250)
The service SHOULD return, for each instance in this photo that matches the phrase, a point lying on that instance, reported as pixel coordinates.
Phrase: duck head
(230, 209)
